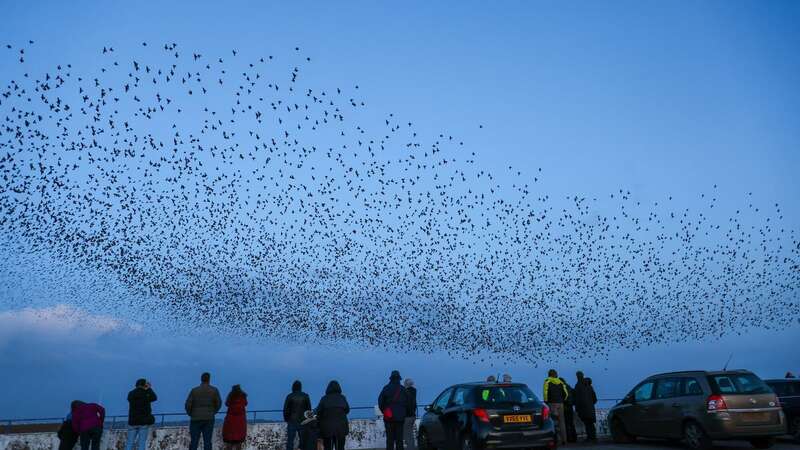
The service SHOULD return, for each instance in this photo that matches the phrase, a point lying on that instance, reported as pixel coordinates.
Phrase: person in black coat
(332, 414)
(393, 403)
(411, 416)
(140, 414)
(585, 399)
(294, 408)
(67, 437)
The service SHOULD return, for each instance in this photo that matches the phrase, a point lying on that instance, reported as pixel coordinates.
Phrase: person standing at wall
(202, 404)
(140, 414)
(585, 401)
(332, 414)
(555, 393)
(87, 422)
(234, 428)
(393, 403)
(294, 408)
(411, 415)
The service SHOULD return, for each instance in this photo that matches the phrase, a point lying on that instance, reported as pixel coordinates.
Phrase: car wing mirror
(428, 408)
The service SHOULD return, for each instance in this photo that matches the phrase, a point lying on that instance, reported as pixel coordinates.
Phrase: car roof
(700, 372)
(488, 384)
(783, 380)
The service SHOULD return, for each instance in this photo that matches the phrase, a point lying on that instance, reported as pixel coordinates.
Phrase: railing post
(162, 420)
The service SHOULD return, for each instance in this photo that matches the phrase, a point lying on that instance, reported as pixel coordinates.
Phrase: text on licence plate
(518, 418)
(756, 417)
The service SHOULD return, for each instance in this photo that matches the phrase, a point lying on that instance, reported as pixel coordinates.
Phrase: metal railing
(120, 421)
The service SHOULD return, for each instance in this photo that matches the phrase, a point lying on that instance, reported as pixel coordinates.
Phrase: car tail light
(716, 403)
(481, 414)
(545, 413)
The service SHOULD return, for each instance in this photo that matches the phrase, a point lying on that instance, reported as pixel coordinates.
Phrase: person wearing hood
(555, 394)
(294, 408)
(87, 422)
(393, 403)
(585, 400)
(411, 417)
(332, 414)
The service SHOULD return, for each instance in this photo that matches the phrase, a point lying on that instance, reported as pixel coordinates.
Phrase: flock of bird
(243, 199)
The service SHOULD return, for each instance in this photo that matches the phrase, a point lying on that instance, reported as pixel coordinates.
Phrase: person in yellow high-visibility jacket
(555, 394)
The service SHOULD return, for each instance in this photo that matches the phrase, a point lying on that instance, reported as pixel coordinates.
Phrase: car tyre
(423, 443)
(795, 429)
(695, 437)
(762, 442)
(619, 434)
(467, 442)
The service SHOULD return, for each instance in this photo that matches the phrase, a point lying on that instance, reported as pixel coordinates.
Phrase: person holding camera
(140, 414)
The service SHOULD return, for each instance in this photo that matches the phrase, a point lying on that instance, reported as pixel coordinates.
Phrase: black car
(788, 392)
(478, 416)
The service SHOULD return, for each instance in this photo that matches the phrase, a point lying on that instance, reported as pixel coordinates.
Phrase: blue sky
(663, 99)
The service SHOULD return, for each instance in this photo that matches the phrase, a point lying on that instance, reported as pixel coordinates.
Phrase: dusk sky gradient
(659, 98)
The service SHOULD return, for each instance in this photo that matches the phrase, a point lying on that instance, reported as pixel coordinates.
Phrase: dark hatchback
(788, 392)
(484, 416)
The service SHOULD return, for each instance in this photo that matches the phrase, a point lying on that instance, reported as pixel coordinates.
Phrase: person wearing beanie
(393, 403)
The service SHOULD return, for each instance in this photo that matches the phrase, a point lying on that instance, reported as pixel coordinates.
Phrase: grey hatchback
(699, 407)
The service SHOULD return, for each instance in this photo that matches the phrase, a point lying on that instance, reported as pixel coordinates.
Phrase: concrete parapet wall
(364, 434)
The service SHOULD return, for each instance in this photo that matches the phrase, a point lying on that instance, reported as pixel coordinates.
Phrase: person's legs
(557, 409)
(398, 434)
(328, 442)
(208, 433)
(569, 418)
(133, 431)
(291, 431)
(144, 433)
(85, 440)
(97, 434)
(591, 431)
(389, 438)
(194, 434)
(340, 442)
(408, 433)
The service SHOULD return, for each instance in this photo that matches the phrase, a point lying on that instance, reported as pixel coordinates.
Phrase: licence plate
(756, 417)
(518, 418)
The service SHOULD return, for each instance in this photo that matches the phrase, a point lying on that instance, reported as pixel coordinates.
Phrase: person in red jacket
(234, 429)
(87, 421)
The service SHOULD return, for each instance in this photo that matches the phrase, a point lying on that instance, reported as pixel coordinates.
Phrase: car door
(453, 418)
(665, 410)
(637, 417)
(432, 421)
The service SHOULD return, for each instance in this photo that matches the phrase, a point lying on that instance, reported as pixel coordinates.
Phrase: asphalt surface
(661, 445)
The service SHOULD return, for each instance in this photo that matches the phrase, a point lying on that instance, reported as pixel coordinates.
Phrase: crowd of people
(327, 422)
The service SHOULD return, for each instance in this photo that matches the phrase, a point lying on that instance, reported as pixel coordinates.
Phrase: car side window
(780, 389)
(441, 402)
(643, 392)
(667, 388)
(460, 396)
(690, 386)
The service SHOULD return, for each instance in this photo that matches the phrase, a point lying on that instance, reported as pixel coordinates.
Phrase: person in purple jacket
(87, 421)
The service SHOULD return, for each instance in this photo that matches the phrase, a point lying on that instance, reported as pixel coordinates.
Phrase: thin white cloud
(59, 321)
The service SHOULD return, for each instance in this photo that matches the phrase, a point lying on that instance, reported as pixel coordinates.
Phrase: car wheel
(619, 434)
(467, 443)
(423, 443)
(762, 442)
(796, 429)
(695, 437)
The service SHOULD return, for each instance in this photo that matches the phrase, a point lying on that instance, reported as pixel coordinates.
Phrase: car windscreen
(739, 383)
(489, 396)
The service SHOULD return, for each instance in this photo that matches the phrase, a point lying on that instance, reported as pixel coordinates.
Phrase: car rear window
(500, 395)
(738, 383)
